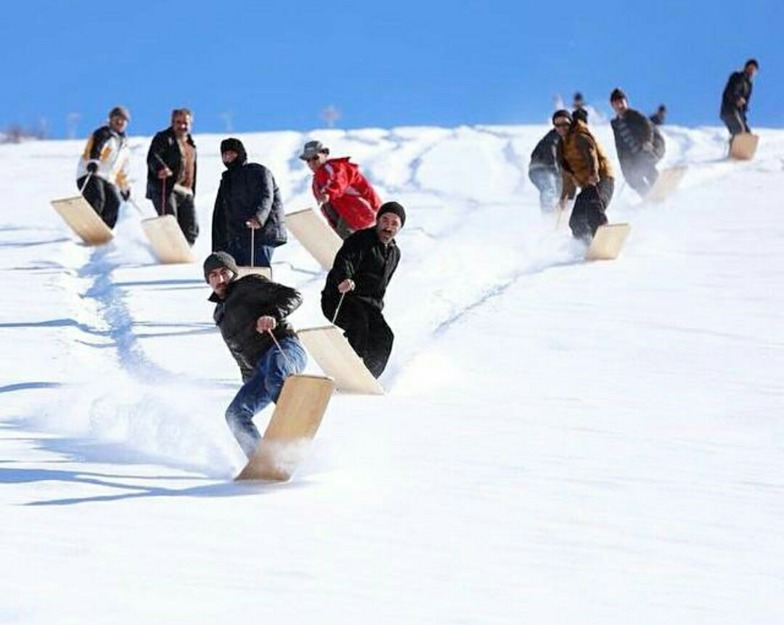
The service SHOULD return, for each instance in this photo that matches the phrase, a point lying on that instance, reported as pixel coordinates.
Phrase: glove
(92, 167)
(126, 194)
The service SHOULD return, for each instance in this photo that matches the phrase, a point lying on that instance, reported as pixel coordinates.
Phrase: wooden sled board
(167, 240)
(83, 220)
(295, 420)
(315, 235)
(337, 359)
(668, 181)
(744, 146)
(245, 270)
(607, 242)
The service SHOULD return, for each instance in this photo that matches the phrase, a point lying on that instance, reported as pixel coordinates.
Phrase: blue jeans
(548, 182)
(239, 248)
(261, 388)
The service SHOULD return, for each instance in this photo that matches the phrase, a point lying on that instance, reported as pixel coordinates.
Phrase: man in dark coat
(248, 201)
(251, 315)
(637, 142)
(544, 173)
(171, 173)
(356, 285)
(735, 99)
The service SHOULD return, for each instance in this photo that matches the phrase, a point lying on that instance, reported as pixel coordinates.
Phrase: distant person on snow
(659, 116)
(248, 201)
(251, 315)
(736, 97)
(102, 172)
(583, 164)
(578, 106)
(638, 142)
(171, 173)
(348, 201)
(356, 285)
(544, 173)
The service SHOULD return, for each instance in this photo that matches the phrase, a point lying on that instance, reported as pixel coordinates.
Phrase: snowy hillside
(560, 443)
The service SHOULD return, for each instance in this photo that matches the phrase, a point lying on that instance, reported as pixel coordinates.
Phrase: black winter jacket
(368, 262)
(632, 132)
(248, 190)
(738, 86)
(246, 300)
(164, 149)
(545, 155)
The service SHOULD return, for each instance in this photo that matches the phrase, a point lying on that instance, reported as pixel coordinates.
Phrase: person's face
(620, 106)
(316, 161)
(561, 125)
(118, 123)
(388, 226)
(181, 124)
(750, 71)
(229, 157)
(219, 279)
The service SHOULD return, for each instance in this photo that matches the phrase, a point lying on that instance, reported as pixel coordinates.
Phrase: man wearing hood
(584, 165)
(248, 201)
(347, 200)
(250, 313)
(354, 292)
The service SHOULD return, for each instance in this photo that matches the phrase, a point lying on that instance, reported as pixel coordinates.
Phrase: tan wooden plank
(338, 360)
(315, 235)
(167, 240)
(83, 220)
(297, 416)
(668, 181)
(607, 242)
(744, 146)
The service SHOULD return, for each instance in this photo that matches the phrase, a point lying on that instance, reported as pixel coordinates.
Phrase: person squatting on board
(584, 165)
(250, 313)
(102, 172)
(357, 283)
(348, 201)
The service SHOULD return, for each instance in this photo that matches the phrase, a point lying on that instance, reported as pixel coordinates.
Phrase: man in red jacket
(347, 199)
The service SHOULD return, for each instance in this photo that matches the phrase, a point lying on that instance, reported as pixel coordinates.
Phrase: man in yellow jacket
(585, 165)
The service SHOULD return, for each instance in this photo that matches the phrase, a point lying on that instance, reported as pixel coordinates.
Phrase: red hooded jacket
(351, 195)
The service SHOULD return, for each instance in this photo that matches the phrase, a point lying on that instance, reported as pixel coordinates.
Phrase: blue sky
(246, 66)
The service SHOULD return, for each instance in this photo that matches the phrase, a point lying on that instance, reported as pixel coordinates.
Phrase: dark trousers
(365, 328)
(640, 172)
(338, 224)
(589, 207)
(182, 207)
(735, 122)
(103, 196)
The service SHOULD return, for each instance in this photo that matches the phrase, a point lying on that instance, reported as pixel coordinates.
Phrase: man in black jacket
(544, 172)
(637, 142)
(356, 285)
(171, 173)
(248, 200)
(251, 315)
(735, 99)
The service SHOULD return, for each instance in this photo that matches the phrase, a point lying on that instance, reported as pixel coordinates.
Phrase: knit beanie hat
(234, 145)
(393, 207)
(562, 113)
(216, 260)
(120, 111)
(617, 94)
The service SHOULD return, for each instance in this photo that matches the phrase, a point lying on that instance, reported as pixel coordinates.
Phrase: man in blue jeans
(251, 315)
